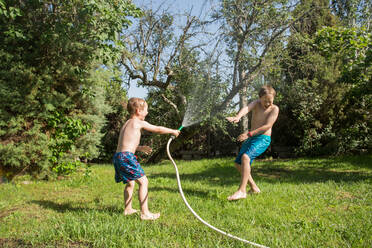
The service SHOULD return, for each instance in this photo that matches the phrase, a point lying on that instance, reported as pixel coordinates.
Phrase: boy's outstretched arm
(242, 112)
(159, 129)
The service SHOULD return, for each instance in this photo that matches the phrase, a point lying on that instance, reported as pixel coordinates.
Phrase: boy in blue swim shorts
(127, 168)
(256, 141)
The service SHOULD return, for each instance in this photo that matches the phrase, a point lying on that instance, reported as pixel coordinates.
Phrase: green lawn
(323, 202)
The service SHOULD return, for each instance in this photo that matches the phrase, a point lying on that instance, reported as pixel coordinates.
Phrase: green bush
(52, 80)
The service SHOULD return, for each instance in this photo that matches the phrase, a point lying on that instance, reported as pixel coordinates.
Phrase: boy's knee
(245, 158)
(143, 181)
(130, 184)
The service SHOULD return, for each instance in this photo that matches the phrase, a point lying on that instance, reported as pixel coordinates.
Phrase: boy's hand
(243, 137)
(146, 149)
(233, 119)
(176, 132)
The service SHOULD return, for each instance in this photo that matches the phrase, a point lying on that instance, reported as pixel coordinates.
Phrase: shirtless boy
(127, 168)
(264, 115)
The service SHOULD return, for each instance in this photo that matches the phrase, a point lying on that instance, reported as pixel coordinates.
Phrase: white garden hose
(195, 214)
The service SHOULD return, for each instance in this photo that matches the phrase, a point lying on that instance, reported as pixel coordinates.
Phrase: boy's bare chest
(260, 114)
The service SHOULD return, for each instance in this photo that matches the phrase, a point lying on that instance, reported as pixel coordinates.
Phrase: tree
(159, 54)
(353, 13)
(116, 98)
(52, 101)
(168, 61)
(321, 66)
(308, 94)
(252, 30)
(350, 50)
(249, 33)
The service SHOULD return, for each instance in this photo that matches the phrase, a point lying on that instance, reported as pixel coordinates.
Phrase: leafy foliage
(52, 55)
(116, 98)
(64, 133)
(351, 49)
(323, 92)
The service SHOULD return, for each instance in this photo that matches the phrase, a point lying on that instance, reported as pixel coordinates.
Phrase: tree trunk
(243, 102)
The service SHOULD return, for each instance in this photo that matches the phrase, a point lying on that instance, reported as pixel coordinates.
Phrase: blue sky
(177, 6)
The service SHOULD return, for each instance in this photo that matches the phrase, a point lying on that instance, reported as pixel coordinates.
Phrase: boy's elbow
(160, 130)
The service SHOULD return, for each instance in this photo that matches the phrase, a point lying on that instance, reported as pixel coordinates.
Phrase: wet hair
(265, 90)
(135, 103)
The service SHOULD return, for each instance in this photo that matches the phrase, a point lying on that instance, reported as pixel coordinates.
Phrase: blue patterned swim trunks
(253, 147)
(127, 167)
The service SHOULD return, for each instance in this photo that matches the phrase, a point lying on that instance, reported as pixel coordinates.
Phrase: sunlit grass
(321, 202)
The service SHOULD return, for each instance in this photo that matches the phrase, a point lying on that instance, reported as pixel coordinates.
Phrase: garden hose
(193, 212)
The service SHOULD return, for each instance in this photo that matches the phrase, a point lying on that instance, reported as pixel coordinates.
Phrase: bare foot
(257, 191)
(130, 211)
(150, 216)
(237, 196)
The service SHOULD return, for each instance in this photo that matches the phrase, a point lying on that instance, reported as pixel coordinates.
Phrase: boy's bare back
(130, 136)
(130, 133)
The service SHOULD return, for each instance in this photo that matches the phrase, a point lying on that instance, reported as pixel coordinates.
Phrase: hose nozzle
(179, 129)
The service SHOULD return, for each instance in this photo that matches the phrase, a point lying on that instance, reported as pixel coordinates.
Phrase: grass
(321, 202)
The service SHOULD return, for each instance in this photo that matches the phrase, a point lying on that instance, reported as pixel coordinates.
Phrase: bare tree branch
(171, 103)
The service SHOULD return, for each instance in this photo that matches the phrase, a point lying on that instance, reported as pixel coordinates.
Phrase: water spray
(192, 211)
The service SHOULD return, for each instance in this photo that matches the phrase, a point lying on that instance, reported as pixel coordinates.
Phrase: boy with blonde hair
(264, 115)
(127, 168)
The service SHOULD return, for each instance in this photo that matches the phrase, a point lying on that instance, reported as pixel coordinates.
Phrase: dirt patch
(344, 195)
(34, 211)
(28, 211)
(16, 243)
(7, 212)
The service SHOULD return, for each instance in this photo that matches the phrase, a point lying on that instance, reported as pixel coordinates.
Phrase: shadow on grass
(351, 162)
(175, 190)
(308, 175)
(307, 171)
(362, 161)
(217, 175)
(68, 207)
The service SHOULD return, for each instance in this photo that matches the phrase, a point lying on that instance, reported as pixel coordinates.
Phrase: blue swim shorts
(127, 167)
(253, 147)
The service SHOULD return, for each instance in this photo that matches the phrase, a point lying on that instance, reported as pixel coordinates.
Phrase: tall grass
(321, 202)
